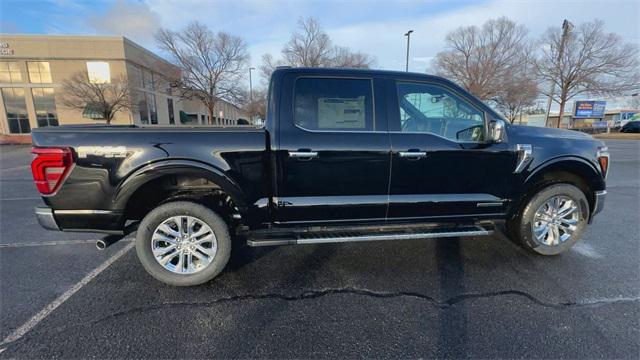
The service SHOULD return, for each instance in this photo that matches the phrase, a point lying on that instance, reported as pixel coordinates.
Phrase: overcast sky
(374, 27)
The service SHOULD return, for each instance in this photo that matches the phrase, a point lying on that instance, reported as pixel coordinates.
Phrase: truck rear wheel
(183, 243)
(552, 221)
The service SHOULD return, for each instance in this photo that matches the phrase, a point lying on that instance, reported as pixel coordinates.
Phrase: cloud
(136, 21)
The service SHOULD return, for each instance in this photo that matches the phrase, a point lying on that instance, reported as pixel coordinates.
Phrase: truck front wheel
(552, 221)
(183, 243)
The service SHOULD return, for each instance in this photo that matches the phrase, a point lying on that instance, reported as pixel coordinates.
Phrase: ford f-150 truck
(344, 155)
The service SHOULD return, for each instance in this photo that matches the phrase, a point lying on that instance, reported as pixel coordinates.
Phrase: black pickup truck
(345, 155)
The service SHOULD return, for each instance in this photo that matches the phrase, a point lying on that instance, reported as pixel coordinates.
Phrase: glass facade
(10, 72)
(147, 108)
(39, 72)
(45, 106)
(16, 110)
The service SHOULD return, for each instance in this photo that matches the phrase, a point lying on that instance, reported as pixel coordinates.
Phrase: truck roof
(359, 72)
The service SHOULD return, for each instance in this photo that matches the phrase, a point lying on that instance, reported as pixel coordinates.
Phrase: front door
(334, 152)
(442, 167)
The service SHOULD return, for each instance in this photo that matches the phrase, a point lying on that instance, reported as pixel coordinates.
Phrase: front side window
(10, 72)
(429, 108)
(39, 72)
(334, 104)
(98, 72)
(16, 108)
(45, 106)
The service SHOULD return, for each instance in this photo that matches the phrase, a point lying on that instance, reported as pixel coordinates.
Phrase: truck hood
(543, 132)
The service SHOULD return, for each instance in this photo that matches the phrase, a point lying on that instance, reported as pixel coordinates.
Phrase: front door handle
(413, 154)
(303, 155)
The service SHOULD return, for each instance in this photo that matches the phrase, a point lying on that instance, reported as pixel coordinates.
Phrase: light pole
(250, 85)
(250, 96)
(408, 35)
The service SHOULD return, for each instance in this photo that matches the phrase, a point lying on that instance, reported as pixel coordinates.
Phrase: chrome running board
(340, 237)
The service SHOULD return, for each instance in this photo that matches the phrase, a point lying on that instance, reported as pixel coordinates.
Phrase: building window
(172, 119)
(147, 108)
(39, 72)
(10, 72)
(143, 109)
(99, 72)
(45, 105)
(153, 112)
(147, 79)
(16, 110)
(136, 76)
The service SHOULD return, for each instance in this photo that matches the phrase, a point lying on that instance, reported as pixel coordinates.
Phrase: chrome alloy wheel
(184, 244)
(555, 221)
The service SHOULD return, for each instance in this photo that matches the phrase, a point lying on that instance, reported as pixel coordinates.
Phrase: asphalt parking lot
(457, 298)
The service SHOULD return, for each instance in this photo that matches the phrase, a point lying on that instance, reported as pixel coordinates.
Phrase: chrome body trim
(598, 205)
(46, 219)
(412, 154)
(478, 231)
(525, 155)
(84, 212)
(303, 154)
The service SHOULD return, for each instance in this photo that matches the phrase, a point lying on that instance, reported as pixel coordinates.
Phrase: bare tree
(517, 94)
(256, 107)
(345, 58)
(479, 59)
(212, 64)
(311, 46)
(593, 62)
(106, 98)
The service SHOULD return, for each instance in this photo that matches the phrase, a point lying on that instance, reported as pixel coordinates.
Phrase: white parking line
(53, 243)
(37, 318)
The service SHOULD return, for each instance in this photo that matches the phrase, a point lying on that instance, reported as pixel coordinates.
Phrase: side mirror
(496, 131)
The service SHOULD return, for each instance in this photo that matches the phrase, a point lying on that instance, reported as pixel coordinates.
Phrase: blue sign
(590, 109)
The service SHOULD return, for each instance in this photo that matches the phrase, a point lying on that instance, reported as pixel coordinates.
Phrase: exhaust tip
(101, 245)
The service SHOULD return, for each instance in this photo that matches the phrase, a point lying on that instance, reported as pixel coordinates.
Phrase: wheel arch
(150, 172)
(571, 170)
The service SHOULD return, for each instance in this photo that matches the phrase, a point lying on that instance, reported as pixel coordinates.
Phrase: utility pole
(566, 28)
(408, 35)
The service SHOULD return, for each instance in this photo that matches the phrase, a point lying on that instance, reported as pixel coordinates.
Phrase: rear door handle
(413, 154)
(303, 155)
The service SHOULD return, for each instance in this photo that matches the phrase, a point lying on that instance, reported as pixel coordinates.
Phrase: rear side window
(334, 104)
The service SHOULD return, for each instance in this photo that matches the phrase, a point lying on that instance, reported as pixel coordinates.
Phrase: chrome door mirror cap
(497, 131)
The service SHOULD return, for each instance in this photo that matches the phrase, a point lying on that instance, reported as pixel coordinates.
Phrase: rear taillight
(50, 167)
(603, 160)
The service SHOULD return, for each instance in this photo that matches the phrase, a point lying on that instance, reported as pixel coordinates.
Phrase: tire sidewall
(185, 208)
(526, 219)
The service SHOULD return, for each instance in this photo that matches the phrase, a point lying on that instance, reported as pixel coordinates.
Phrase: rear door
(442, 167)
(333, 156)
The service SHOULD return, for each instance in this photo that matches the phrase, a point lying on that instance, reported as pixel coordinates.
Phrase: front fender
(574, 164)
(161, 168)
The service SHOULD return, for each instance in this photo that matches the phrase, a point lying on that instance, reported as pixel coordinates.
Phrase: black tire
(520, 227)
(163, 212)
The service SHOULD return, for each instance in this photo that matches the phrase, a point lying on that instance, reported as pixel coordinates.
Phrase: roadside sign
(589, 109)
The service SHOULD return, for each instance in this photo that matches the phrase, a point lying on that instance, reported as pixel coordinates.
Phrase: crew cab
(344, 155)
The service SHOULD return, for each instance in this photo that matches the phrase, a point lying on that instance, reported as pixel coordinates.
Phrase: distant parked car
(631, 127)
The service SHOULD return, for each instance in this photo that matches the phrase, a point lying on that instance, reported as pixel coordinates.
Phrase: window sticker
(341, 113)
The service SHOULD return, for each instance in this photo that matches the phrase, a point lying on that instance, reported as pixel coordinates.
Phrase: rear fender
(178, 167)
